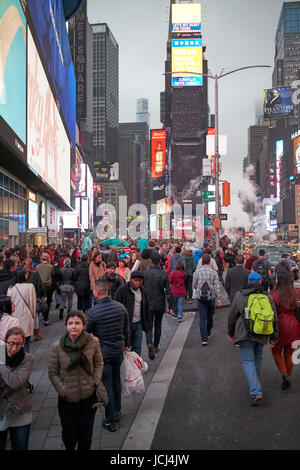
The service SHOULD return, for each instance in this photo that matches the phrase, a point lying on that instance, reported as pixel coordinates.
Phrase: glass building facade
(12, 208)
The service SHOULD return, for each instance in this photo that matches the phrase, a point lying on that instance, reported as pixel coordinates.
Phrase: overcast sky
(236, 33)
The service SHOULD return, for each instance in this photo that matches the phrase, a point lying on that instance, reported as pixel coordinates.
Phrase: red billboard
(158, 152)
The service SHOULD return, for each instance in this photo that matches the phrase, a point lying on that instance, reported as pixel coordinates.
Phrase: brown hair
(287, 295)
(205, 259)
(15, 331)
(180, 266)
(79, 314)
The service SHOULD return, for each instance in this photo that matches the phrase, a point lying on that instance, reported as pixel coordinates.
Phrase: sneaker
(210, 337)
(151, 352)
(156, 350)
(204, 343)
(61, 313)
(109, 425)
(285, 384)
(180, 320)
(118, 416)
(47, 323)
(174, 316)
(256, 400)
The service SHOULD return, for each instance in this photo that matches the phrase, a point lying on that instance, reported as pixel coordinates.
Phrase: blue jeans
(156, 316)
(206, 313)
(136, 335)
(178, 306)
(251, 355)
(27, 344)
(112, 382)
(19, 437)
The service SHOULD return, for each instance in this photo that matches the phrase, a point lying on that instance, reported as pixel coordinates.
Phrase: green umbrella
(114, 242)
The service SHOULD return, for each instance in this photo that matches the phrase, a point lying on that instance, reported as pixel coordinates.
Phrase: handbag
(100, 391)
(41, 306)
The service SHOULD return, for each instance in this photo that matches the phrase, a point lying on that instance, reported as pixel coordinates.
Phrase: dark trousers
(112, 381)
(189, 287)
(206, 313)
(77, 421)
(156, 316)
(19, 437)
(49, 294)
(84, 302)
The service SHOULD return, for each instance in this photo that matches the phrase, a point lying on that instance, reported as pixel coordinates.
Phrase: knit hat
(137, 274)
(254, 277)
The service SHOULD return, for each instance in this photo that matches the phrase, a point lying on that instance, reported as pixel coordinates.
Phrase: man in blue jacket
(108, 321)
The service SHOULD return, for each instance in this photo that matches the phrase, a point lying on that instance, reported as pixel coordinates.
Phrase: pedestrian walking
(177, 281)
(229, 257)
(7, 321)
(81, 280)
(24, 298)
(7, 275)
(219, 258)
(175, 258)
(46, 271)
(15, 404)
(66, 286)
(158, 291)
(132, 295)
(108, 321)
(75, 370)
(35, 279)
(286, 299)
(207, 290)
(263, 267)
(114, 280)
(122, 270)
(251, 344)
(236, 278)
(97, 269)
(213, 265)
(190, 266)
(249, 262)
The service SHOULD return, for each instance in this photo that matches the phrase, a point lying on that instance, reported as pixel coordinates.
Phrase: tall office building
(105, 94)
(142, 111)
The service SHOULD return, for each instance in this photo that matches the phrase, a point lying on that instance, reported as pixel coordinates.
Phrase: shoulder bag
(25, 301)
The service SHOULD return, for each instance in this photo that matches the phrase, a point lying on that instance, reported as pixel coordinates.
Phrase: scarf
(16, 359)
(75, 350)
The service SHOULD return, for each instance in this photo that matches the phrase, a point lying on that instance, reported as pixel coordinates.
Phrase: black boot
(61, 313)
(286, 382)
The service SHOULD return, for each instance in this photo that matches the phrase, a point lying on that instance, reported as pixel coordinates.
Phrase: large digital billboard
(80, 186)
(186, 18)
(158, 152)
(278, 103)
(297, 156)
(279, 156)
(187, 61)
(48, 144)
(106, 171)
(49, 22)
(90, 195)
(13, 74)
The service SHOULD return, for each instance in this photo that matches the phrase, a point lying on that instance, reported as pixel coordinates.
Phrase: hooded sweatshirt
(175, 260)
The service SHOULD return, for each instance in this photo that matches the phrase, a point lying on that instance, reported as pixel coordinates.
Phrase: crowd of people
(121, 293)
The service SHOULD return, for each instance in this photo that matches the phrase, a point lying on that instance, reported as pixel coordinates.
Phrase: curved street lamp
(216, 78)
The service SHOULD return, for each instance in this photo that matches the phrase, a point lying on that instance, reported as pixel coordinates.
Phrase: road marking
(142, 431)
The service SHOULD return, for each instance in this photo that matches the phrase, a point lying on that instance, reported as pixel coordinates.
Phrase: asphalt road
(207, 406)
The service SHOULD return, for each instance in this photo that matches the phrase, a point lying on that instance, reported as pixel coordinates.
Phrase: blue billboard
(13, 74)
(48, 19)
(278, 103)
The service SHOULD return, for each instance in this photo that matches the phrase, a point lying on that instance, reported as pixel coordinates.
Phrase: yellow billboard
(187, 62)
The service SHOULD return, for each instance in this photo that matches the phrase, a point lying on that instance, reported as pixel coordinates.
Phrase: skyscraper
(105, 94)
(142, 111)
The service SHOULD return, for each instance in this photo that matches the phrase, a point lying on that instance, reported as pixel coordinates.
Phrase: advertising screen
(278, 103)
(90, 195)
(71, 220)
(268, 205)
(13, 74)
(48, 145)
(297, 155)
(158, 152)
(32, 215)
(80, 186)
(279, 155)
(187, 62)
(105, 171)
(49, 23)
(84, 213)
(186, 18)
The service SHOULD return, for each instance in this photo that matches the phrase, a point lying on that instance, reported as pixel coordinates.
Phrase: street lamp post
(216, 78)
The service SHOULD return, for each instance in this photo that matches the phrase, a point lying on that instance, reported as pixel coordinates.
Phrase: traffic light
(226, 194)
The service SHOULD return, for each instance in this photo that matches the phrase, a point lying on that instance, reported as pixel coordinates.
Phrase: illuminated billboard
(268, 205)
(186, 18)
(49, 23)
(297, 156)
(158, 152)
(279, 155)
(278, 103)
(13, 75)
(48, 145)
(187, 62)
(80, 186)
(106, 171)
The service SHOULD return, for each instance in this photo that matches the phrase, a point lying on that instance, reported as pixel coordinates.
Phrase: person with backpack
(252, 323)
(207, 286)
(287, 300)
(262, 266)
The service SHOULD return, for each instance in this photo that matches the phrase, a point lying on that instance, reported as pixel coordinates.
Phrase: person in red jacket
(250, 261)
(177, 281)
(286, 299)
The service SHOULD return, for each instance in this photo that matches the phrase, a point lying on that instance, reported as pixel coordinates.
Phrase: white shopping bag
(131, 376)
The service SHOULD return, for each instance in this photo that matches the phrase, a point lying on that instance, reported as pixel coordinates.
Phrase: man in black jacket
(236, 278)
(158, 289)
(132, 296)
(114, 280)
(81, 280)
(108, 321)
(7, 275)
